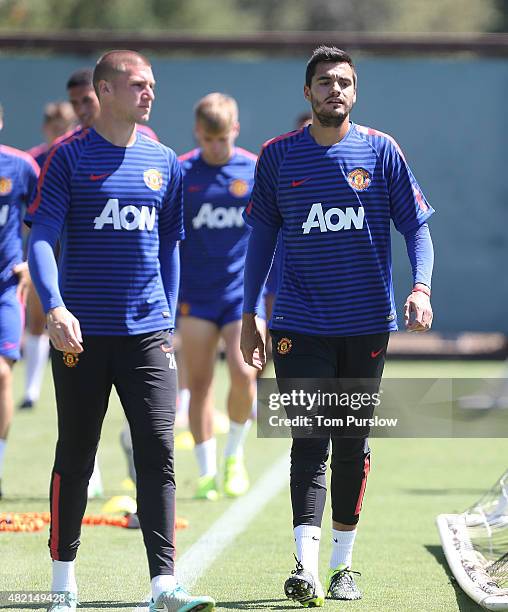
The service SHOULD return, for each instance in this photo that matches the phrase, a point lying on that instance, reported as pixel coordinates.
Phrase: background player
(112, 196)
(331, 189)
(218, 180)
(59, 118)
(18, 178)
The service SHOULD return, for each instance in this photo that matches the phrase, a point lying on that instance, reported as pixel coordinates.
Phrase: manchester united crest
(70, 360)
(359, 179)
(284, 345)
(5, 185)
(184, 309)
(153, 179)
(238, 188)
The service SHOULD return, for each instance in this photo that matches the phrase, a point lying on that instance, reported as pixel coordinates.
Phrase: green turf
(397, 549)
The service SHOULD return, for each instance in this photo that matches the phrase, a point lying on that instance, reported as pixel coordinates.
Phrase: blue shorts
(11, 322)
(221, 313)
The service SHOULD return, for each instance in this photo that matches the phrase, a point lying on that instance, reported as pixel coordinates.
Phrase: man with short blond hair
(218, 178)
(217, 112)
(113, 198)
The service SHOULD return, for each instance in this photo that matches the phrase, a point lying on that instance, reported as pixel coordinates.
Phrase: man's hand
(418, 312)
(21, 271)
(64, 330)
(252, 343)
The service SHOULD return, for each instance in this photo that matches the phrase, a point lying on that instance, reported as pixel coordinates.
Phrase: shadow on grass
(12, 498)
(105, 605)
(464, 603)
(257, 604)
(443, 491)
(85, 605)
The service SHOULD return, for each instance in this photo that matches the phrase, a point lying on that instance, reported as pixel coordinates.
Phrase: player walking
(113, 199)
(83, 98)
(218, 179)
(332, 189)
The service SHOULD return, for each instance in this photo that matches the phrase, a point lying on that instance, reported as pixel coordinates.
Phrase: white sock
(236, 437)
(36, 357)
(206, 454)
(183, 401)
(63, 577)
(3, 445)
(162, 583)
(342, 547)
(307, 539)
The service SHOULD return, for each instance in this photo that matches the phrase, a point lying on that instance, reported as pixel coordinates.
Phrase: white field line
(195, 561)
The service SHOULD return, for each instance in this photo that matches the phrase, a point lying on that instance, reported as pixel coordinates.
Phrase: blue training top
(18, 179)
(333, 205)
(113, 208)
(216, 237)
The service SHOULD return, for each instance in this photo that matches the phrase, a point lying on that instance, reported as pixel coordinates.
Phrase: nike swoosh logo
(375, 354)
(298, 183)
(99, 177)
(335, 540)
(314, 538)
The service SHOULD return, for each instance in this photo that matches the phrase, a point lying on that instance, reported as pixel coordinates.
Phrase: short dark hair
(80, 77)
(327, 54)
(114, 63)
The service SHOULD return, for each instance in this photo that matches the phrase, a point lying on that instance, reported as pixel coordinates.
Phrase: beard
(327, 118)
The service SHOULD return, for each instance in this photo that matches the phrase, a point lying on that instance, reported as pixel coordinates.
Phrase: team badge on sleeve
(70, 360)
(153, 179)
(359, 179)
(238, 188)
(284, 345)
(5, 185)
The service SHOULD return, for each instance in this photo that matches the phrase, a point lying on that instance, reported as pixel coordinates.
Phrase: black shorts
(347, 367)
(351, 365)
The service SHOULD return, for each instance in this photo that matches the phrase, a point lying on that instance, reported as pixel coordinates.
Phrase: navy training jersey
(18, 179)
(334, 205)
(216, 237)
(111, 206)
(39, 153)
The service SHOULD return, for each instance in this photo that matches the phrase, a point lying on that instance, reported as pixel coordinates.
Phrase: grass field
(397, 550)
